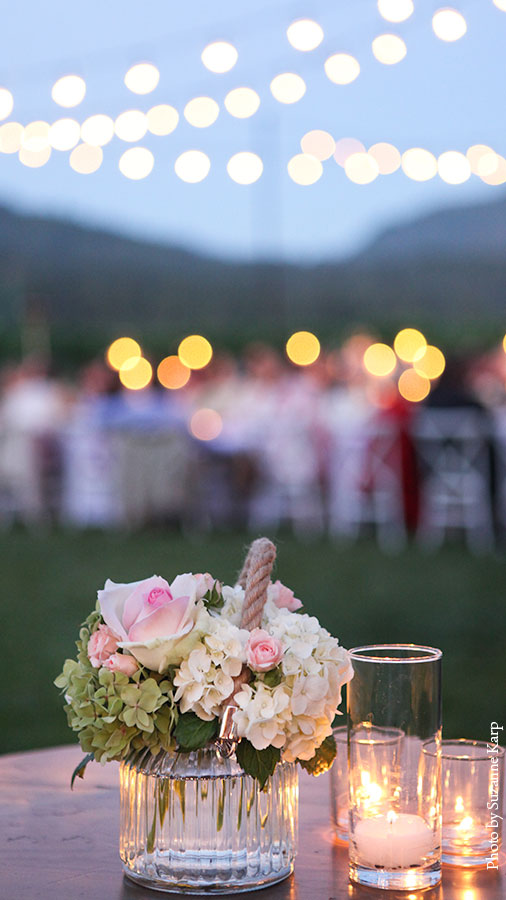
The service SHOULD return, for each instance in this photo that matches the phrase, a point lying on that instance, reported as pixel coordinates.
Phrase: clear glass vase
(197, 824)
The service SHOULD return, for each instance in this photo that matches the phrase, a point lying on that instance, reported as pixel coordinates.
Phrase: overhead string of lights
(84, 141)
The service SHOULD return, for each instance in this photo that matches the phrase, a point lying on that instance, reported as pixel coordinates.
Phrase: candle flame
(459, 805)
(466, 824)
(391, 817)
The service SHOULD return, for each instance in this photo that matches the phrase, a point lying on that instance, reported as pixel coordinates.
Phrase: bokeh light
(453, 167)
(142, 78)
(305, 34)
(86, 159)
(318, 143)
(389, 49)
(288, 87)
(345, 147)
(201, 112)
(245, 167)
(136, 374)
(192, 166)
(504, 343)
(413, 386)
(68, 91)
(172, 374)
(387, 157)
(419, 164)
(395, 10)
(304, 169)
(97, 130)
(482, 159)
(64, 134)
(242, 102)
(379, 360)
(429, 362)
(11, 135)
(206, 424)
(34, 159)
(219, 57)
(162, 119)
(303, 348)
(498, 176)
(408, 343)
(6, 103)
(342, 68)
(195, 351)
(501, 4)
(361, 168)
(136, 163)
(35, 136)
(449, 24)
(122, 350)
(131, 125)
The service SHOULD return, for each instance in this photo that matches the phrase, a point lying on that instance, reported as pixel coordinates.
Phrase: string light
(379, 360)
(389, 49)
(192, 166)
(303, 348)
(341, 68)
(413, 386)
(361, 168)
(288, 87)
(482, 159)
(34, 159)
(201, 112)
(142, 78)
(419, 164)
(206, 424)
(69, 91)
(131, 125)
(219, 57)
(136, 163)
(11, 135)
(136, 374)
(453, 167)
(449, 24)
(245, 167)
(304, 169)
(317, 143)
(172, 374)
(498, 176)
(429, 362)
(501, 4)
(408, 343)
(345, 147)
(305, 34)
(64, 134)
(242, 102)
(162, 119)
(195, 351)
(6, 103)
(121, 351)
(395, 10)
(97, 130)
(387, 157)
(86, 159)
(35, 137)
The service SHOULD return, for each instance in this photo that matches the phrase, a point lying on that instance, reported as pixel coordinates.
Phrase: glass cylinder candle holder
(395, 788)
(472, 792)
(377, 751)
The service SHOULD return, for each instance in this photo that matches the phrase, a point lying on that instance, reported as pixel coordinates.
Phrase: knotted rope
(258, 565)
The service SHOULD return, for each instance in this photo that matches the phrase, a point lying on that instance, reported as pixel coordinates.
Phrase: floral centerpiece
(179, 666)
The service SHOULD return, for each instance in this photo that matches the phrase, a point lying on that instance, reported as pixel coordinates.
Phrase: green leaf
(274, 677)
(323, 758)
(260, 764)
(193, 733)
(81, 768)
(213, 599)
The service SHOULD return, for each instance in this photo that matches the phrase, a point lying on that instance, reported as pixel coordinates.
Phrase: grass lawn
(449, 600)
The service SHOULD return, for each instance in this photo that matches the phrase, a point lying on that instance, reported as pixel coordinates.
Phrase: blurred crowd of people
(256, 442)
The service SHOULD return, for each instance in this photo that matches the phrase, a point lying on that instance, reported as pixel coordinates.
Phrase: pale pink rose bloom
(206, 583)
(283, 597)
(263, 652)
(101, 645)
(122, 662)
(151, 616)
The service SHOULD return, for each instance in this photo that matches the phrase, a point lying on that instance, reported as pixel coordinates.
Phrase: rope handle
(255, 577)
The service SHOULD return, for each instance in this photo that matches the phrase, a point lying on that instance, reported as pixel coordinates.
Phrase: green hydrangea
(111, 712)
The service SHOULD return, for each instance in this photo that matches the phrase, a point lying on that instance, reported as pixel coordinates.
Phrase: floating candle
(393, 841)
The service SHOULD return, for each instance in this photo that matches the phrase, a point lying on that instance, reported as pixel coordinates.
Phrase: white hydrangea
(205, 680)
(263, 714)
(234, 601)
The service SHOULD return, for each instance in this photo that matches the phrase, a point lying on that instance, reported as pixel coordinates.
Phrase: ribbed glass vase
(194, 823)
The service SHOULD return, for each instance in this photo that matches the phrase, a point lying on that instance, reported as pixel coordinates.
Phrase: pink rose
(151, 617)
(206, 583)
(283, 597)
(263, 652)
(122, 662)
(101, 645)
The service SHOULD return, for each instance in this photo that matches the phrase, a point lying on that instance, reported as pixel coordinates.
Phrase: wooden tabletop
(61, 845)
